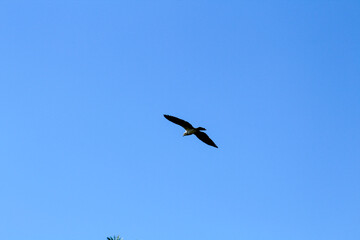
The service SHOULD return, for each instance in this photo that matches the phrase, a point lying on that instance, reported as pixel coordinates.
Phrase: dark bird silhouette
(189, 129)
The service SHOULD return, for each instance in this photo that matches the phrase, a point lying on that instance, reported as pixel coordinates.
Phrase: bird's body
(189, 130)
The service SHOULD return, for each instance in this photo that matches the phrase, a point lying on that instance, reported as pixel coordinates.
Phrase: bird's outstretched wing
(178, 121)
(205, 138)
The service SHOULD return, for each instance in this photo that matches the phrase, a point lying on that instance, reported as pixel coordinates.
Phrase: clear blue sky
(86, 153)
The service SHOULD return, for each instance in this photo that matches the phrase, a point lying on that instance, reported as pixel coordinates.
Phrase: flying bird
(189, 129)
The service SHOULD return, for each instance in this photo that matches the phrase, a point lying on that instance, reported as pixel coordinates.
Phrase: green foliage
(114, 238)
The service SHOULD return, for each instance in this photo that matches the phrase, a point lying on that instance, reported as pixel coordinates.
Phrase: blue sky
(85, 151)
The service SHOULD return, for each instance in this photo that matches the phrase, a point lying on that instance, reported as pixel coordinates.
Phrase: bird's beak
(184, 134)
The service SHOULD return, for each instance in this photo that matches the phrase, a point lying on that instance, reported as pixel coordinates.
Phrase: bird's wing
(178, 121)
(205, 138)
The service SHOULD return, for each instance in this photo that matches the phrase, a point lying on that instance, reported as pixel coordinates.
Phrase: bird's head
(185, 134)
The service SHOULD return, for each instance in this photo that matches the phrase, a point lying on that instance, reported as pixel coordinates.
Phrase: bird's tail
(201, 128)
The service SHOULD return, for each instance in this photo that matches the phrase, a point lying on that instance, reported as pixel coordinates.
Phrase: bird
(189, 130)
